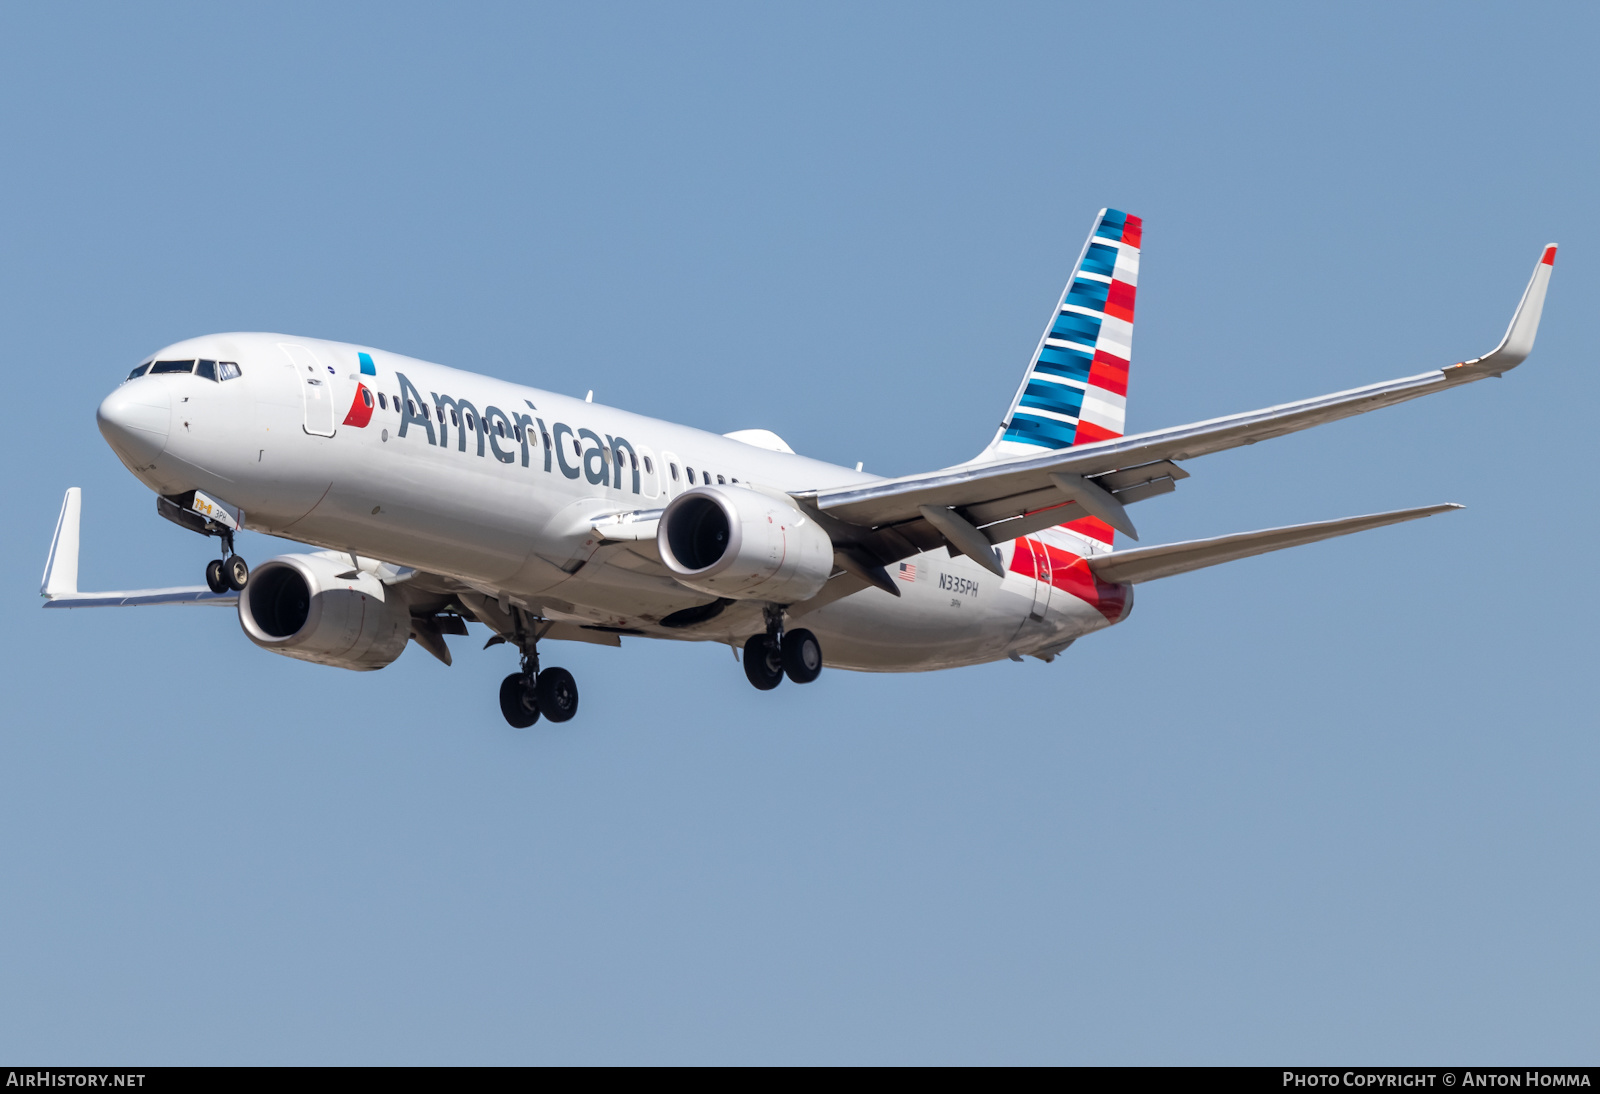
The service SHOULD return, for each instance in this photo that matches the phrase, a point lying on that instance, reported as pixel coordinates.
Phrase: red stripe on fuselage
(1092, 527)
(361, 409)
(1071, 574)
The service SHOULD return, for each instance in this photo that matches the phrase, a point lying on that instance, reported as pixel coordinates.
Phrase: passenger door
(1039, 614)
(316, 389)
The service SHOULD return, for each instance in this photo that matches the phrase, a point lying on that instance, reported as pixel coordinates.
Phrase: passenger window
(707, 476)
(366, 397)
(734, 481)
(577, 447)
(455, 419)
(411, 407)
(465, 417)
(500, 428)
(547, 443)
(383, 403)
(138, 372)
(721, 481)
(648, 469)
(690, 470)
(425, 413)
(228, 370)
(208, 369)
(674, 468)
(171, 366)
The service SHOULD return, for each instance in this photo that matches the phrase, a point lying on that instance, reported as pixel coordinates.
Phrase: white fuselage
(508, 506)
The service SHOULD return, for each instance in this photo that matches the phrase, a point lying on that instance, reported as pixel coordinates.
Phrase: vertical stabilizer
(1075, 390)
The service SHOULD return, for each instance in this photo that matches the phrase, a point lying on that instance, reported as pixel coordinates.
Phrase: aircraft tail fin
(1076, 387)
(1075, 390)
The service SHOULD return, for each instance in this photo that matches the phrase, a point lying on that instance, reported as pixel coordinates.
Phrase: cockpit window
(171, 366)
(208, 369)
(138, 372)
(228, 370)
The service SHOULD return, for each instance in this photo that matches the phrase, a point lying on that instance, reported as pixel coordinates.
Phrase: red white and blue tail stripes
(1076, 387)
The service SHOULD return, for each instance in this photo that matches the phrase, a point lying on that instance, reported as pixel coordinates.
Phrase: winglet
(61, 565)
(1518, 342)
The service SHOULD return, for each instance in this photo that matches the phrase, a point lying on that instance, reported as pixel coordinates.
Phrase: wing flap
(1150, 563)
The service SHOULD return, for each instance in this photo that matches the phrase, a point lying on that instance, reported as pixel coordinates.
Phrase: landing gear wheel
(558, 694)
(216, 580)
(763, 665)
(802, 656)
(235, 572)
(518, 702)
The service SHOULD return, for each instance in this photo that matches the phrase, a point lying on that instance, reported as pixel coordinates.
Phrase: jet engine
(317, 607)
(742, 544)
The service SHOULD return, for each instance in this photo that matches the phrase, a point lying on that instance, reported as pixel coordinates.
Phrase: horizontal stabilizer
(1149, 563)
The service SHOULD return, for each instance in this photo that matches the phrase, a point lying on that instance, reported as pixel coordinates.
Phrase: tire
(518, 702)
(216, 580)
(802, 656)
(558, 694)
(235, 572)
(761, 667)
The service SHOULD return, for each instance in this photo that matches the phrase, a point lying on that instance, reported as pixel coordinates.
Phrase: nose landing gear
(230, 573)
(769, 657)
(199, 513)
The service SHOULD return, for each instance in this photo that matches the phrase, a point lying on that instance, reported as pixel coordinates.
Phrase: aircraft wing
(60, 584)
(1149, 563)
(971, 506)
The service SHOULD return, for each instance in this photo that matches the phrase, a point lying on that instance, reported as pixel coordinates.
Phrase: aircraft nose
(135, 419)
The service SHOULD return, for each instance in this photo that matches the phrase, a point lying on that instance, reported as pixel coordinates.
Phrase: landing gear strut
(768, 657)
(229, 572)
(527, 694)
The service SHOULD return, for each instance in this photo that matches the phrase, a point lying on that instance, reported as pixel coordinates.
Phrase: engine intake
(738, 543)
(309, 608)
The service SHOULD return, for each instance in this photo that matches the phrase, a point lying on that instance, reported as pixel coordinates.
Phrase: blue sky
(1333, 804)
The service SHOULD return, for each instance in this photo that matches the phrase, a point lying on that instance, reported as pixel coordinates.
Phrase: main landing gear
(228, 573)
(527, 694)
(769, 657)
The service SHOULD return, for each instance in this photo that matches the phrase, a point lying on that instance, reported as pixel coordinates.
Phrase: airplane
(441, 497)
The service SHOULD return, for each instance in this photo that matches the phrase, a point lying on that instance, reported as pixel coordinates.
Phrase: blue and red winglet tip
(1549, 258)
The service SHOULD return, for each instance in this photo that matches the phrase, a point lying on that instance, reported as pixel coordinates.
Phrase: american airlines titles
(518, 428)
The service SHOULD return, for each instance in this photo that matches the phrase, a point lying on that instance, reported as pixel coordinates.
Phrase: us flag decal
(908, 572)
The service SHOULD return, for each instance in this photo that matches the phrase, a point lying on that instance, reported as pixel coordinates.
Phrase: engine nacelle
(307, 607)
(742, 544)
